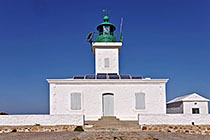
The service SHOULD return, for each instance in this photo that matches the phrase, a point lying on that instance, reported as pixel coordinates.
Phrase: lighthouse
(106, 45)
(107, 92)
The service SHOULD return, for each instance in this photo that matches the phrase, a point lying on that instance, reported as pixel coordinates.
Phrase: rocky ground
(72, 135)
(176, 136)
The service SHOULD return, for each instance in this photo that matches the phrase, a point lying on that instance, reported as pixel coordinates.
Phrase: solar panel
(112, 73)
(90, 77)
(136, 77)
(101, 76)
(113, 76)
(78, 77)
(125, 76)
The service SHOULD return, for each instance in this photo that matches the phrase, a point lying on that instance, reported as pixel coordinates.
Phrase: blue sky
(42, 39)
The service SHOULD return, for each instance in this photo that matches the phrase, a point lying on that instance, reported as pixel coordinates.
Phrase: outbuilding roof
(190, 98)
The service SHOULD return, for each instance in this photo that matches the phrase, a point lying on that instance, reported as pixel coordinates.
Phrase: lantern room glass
(106, 30)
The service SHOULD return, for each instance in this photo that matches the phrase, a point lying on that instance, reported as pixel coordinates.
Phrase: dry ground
(176, 136)
(71, 135)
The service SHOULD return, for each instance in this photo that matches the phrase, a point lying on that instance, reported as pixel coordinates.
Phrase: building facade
(107, 92)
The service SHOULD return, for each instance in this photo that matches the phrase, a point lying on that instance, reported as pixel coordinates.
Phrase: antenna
(121, 24)
(121, 36)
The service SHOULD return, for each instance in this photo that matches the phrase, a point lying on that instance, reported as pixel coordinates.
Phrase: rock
(3, 113)
(144, 128)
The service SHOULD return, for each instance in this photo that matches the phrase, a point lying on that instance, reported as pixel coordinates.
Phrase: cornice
(106, 81)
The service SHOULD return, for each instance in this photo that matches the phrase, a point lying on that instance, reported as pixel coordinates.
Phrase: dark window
(195, 111)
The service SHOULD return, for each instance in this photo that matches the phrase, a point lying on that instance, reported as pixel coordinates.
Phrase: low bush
(14, 130)
(37, 124)
(79, 128)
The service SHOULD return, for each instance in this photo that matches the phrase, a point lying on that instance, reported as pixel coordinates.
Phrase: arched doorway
(108, 104)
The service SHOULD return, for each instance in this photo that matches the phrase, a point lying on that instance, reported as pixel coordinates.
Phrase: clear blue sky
(42, 39)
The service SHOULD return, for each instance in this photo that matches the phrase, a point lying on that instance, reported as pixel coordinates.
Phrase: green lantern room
(106, 31)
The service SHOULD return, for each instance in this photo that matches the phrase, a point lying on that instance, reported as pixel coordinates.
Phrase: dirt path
(39, 136)
(71, 135)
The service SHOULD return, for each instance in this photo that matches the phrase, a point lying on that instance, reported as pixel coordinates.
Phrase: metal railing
(92, 37)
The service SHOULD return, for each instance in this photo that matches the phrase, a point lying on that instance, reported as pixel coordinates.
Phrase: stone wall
(185, 129)
(174, 119)
(46, 120)
(8, 129)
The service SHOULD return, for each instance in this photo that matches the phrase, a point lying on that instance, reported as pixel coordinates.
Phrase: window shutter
(140, 101)
(106, 62)
(76, 101)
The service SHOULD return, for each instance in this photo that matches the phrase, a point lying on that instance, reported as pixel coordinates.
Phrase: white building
(107, 93)
(189, 104)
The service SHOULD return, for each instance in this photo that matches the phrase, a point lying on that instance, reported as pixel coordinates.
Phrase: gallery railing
(100, 37)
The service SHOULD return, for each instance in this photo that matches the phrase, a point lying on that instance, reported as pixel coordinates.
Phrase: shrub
(3, 113)
(37, 124)
(14, 130)
(79, 128)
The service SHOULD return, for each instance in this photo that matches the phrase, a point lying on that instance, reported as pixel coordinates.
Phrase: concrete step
(108, 118)
(120, 123)
(111, 124)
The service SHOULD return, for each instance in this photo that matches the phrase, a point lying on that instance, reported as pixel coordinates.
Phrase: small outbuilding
(189, 104)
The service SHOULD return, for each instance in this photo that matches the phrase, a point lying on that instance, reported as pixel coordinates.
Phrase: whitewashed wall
(173, 119)
(47, 120)
(203, 107)
(93, 90)
(112, 55)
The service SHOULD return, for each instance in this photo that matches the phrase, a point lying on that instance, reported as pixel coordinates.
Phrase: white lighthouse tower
(106, 57)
